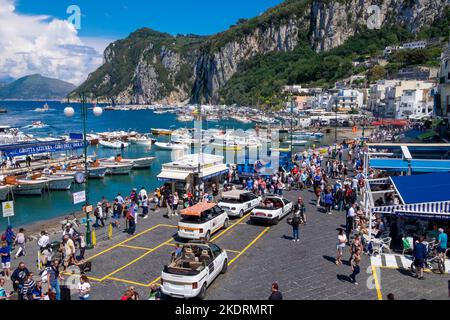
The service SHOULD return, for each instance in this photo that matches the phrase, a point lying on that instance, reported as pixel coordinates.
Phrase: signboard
(76, 136)
(36, 148)
(88, 209)
(78, 197)
(8, 209)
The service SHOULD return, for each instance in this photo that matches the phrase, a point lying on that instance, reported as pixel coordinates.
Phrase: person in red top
(127, 295)
(294, 170)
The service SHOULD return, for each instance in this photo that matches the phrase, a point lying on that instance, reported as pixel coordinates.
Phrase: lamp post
(69, 112)
(335, 126)
(292, 133)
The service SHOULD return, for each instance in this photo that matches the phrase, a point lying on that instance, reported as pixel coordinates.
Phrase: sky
(47, 37)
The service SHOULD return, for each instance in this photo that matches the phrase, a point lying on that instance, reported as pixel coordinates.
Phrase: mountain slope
(150, 66)
(36, 87)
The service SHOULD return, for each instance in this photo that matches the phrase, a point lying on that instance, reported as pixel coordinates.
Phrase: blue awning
(433, 187)
(400, 165)
(40, 147)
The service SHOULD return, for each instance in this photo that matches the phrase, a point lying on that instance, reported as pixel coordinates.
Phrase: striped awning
(441, 207)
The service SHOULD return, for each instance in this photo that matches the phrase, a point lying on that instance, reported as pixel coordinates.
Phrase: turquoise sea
(58, 203)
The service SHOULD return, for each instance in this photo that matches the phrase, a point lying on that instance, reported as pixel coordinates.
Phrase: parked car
(201, 221)
(271, 210)
(238, 202)
(190, 274)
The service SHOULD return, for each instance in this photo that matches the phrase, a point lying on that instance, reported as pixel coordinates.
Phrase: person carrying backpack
(296, 221)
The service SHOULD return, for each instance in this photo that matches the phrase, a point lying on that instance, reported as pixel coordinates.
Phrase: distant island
(36, 87)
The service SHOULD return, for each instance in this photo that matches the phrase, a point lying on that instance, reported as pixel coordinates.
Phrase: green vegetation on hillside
(264, 76)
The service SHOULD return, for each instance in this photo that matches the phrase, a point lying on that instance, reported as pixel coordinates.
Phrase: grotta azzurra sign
(41, 147)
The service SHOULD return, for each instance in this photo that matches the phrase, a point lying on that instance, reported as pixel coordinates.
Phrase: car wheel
(275, 221)
(241, 213)
(225, 224)
(202, 293)
(208, 236)
(224, 267)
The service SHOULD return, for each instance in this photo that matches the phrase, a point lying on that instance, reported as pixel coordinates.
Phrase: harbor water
(52, 204)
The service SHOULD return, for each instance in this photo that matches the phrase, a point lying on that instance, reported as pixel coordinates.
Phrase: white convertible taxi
(191, 272)
(201, 221)
(271, 210)
(238, 202)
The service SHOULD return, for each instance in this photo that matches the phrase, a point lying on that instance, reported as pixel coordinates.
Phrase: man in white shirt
(43, 240)
(351, 213)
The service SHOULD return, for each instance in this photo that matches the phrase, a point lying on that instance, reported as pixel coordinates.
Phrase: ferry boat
(163, 132)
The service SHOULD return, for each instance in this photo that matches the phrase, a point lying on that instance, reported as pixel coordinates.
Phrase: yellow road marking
(168, 225)
(137, 259)
(229, 228)
(123, 242)
(128, 281)
(249, 245)
(377, 284)
(134, 247)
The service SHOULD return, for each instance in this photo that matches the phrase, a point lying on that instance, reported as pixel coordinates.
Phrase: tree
(376, 73)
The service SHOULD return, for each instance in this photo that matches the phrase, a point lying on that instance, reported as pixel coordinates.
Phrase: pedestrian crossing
(397, 261)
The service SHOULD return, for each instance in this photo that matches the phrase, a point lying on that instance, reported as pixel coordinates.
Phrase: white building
(443, 101)
(415, 44)
(415, 104)
(347, 100)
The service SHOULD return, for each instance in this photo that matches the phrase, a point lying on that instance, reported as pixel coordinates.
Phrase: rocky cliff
(153, 67)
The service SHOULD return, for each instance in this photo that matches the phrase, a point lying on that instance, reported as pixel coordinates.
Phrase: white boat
(141, 163)
(117, 168)
(185, 118)
(4, 191)
(29, 186)
(97, 172)
(116, 144)
(297, 142)
(57, 182)
(144, 141)
(170, 146)
(45, 108)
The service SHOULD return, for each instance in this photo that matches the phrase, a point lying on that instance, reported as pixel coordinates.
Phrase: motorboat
(30, 185)
(144, 140)
(163, 132)
(45, 108)
(97, 172)
(185, 118)
(170, 146)
(113, 144)
(59, 182)
(297, 142)
(116, 167)
(140, 163)
(93, 139)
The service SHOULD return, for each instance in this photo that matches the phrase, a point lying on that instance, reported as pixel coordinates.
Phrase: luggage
(65, 293)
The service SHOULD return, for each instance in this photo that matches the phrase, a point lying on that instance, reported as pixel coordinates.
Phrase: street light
(70, 112)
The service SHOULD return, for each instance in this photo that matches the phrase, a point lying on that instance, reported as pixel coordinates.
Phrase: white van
(238, 202)
(201, 221)
(190, 274)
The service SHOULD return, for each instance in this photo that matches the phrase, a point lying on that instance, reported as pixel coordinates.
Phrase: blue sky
(115, 19)
(36, 36)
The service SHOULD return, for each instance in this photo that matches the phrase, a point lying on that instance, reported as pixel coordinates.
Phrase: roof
(173, 176)
(197, 209)
(420, 188)
(400, 165)
(233, 194)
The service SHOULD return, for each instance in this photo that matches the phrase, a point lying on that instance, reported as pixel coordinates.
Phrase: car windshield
(193, 219)
(270, 204)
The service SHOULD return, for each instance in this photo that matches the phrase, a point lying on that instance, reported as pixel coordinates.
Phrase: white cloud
(46, 45)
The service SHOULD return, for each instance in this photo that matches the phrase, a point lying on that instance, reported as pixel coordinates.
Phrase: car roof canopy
(196, 210)
(233, 194)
